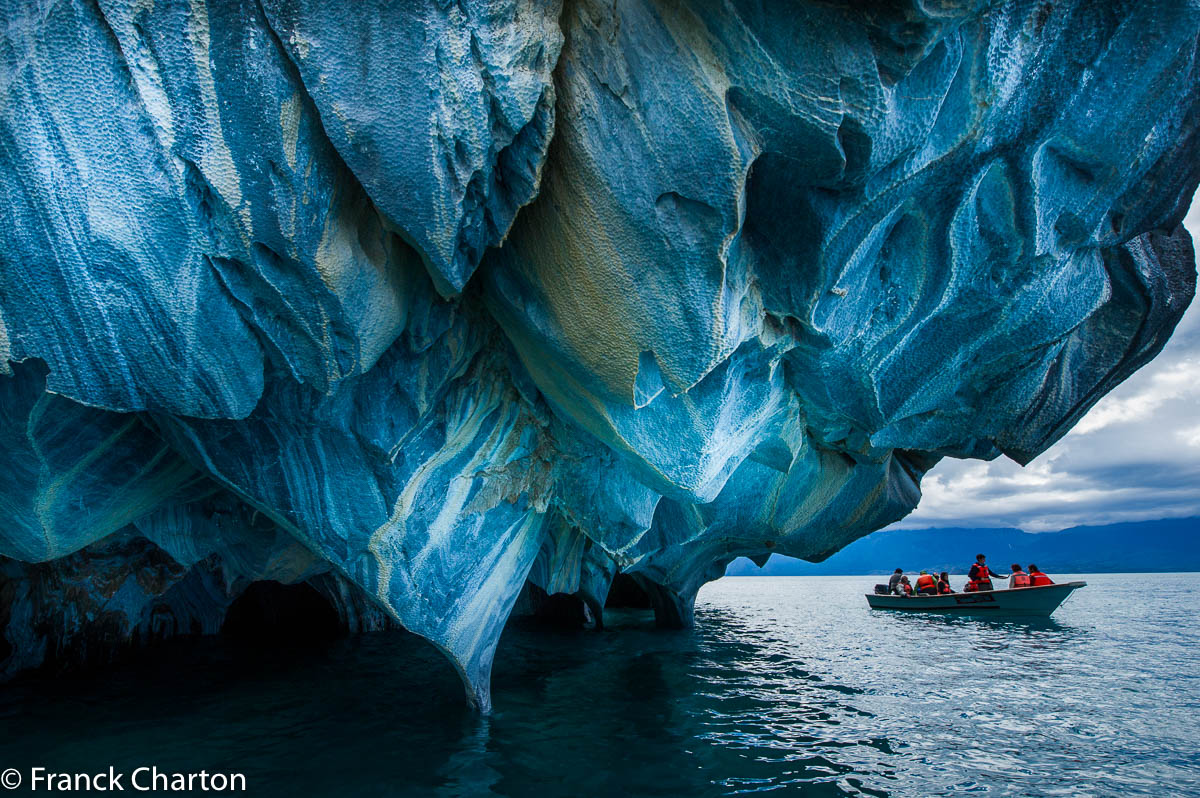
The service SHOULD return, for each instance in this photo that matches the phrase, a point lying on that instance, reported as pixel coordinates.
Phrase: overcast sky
(1135, 456)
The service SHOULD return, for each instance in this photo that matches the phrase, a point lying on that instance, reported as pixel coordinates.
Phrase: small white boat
(1026, 601)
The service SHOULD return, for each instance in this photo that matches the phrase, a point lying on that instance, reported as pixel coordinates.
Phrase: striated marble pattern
(435, 307)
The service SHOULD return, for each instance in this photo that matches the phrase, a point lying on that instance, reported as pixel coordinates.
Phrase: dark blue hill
(1171, 544)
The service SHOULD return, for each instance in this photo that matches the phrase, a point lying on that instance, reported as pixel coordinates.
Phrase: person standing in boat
(979, 577)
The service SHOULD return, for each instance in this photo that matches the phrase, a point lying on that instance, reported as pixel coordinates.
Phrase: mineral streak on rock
(429, 306)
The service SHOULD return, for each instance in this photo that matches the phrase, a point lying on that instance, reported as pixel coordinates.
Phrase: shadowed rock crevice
(122, 596)
(627, 592)
(557, 610)
(635, 591)
(270, 613)
(671, 610)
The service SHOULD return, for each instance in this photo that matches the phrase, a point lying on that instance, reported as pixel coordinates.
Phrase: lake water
(788, 685)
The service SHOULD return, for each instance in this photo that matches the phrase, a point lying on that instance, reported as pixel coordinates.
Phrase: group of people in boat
(978, 578)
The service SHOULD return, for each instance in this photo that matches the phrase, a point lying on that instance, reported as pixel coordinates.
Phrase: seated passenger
(944, 584)
(894, 582)
(1018, 578)
(905, 587)
(1037, 578)
(926, 585)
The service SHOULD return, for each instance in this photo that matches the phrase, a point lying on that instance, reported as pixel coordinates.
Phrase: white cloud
(1177, 380)
(1134, 456)
(1190, 436)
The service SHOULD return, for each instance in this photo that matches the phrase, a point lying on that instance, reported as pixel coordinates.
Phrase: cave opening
(636, 591)
(626, 592)
(270, 612)
(559, 610)
(564, 610)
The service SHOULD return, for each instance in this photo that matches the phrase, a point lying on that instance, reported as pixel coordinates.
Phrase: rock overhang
(437, 300)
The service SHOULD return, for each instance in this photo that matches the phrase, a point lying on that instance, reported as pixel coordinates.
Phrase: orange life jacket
(983, 574)
(1020, 580)
(971, 586)
(925, 581)
(907, 588)
(1037, 579)
(944, 587)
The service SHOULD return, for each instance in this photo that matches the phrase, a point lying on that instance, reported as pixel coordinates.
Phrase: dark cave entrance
(270, 612)
(635, 591)
(565, 611)
(626, 592)
(559, 610)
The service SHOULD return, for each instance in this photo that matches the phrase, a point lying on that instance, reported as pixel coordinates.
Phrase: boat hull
(1020, 601)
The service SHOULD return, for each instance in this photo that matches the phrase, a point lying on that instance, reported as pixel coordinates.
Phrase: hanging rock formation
(417, 302)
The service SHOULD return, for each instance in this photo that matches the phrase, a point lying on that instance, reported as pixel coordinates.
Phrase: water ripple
(787, 686)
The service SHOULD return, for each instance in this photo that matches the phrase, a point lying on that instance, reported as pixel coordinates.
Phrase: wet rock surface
(416, 304)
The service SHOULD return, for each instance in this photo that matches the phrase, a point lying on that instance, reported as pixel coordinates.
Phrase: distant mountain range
(1171, 544)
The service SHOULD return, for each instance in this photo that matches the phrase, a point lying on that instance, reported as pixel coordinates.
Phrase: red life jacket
(1020, 580)
(926, 581)
(1037, 579)
(907, 588)
(944, 587)
(983, 574)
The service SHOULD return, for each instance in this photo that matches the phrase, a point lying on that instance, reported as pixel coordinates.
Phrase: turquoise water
(788, 685)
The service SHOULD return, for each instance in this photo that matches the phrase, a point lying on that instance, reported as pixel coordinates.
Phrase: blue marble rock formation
(435, 307)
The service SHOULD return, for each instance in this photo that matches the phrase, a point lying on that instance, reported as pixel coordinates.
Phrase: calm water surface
(788, 685)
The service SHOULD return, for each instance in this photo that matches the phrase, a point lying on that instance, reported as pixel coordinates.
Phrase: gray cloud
(1135, 456)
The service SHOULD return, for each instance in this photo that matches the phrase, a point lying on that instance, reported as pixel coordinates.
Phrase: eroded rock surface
(417, 303)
